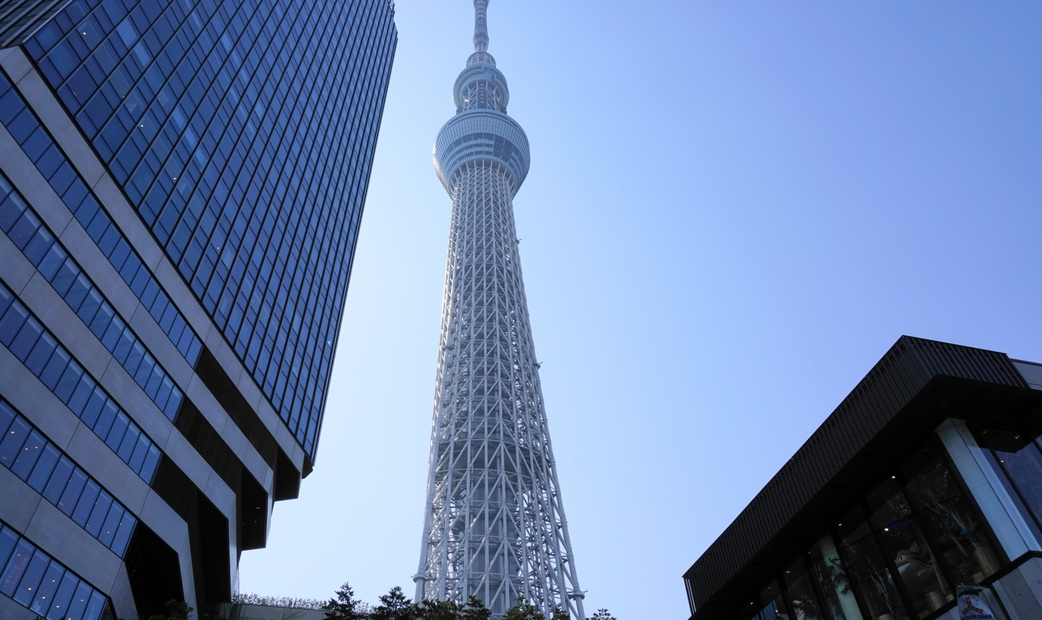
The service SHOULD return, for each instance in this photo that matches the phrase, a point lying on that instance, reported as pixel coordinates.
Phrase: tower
(181, 188)
(494, 524)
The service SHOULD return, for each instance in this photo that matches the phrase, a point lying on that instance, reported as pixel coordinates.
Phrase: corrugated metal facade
(890, 386)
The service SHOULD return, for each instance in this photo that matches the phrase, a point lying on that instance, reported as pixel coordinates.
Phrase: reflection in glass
(948, 517)
(832, 578)
(866, 569)
(773, 604)
(801, 592)
(905, 545)
(1021, 459)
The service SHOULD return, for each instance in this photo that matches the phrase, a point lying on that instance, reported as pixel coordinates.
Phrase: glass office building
(927, 477)
(181, 188)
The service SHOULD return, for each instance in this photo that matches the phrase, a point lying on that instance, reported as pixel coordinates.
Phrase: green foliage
(440, 610)
(277, 601)
(475, 610)
(523, 611)
(602, 614)
(344, 606)
(560, 614)
(451, 610)
(175, 610)
(394, 606)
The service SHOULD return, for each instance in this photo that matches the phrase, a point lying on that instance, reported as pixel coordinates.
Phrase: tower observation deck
(494, 524)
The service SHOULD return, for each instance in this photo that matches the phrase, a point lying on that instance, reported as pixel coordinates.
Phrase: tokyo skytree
(494, 524)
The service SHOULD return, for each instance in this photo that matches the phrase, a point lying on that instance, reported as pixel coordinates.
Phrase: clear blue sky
(734, 210)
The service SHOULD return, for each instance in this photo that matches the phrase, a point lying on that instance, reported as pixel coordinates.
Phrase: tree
(175, 610)
(602, 614)
(394, 606)
(475, 610)
(344, 606)
(440, 610)
(560, 614)
(523, 611)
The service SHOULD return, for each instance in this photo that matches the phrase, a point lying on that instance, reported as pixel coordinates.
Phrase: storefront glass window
(1018, 458)
(899, 553)
(801, 592)
(867, 569)
(827, 569)
(905, 545)
(773, 604)
(949, 518)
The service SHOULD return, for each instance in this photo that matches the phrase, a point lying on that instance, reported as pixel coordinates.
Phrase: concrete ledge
(17, 268)
(15, 63)
(97, 266)
(67, 135)
(27, 178)
(20, 500)
(11, 610)
(63, 324)
(95, 457)
(71, 545)
(23, 390)
(160, 346)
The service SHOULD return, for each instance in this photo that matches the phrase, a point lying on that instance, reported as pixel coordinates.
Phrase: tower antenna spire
(493, 524)
(480, 25)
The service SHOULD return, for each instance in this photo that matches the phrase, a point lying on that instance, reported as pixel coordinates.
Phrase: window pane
(148, 468)
(28, 455)
(7, 415)
(98, 514)
(95, 607)
(41, 353)
(905, 544)
(866, 569)
(80, 598)
(111, 525)
(60, 602)
(15, 567)
(119, 428)
(31, 578)
(27, 338)
(123, 534)
(85, 504)
(949, 517)
(11, 323)
(8, 539)
(72, 491)
(801, 592)
(48, 586)
(773, 605)
(44, 467)
(1021, 461)
(12, 442)
(107, 415)
(56, 485)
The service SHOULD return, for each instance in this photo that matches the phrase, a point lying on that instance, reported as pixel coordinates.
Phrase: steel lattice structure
(494, 524)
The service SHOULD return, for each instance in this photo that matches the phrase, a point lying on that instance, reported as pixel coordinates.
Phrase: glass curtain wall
(897, 554)
(1016, 457)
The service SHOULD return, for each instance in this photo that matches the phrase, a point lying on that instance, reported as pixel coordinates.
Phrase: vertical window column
(999, 502)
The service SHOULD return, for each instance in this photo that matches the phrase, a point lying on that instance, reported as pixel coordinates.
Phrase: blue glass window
(42, 584)
(26, 231)
(39, 463)
(28, 340)
(210, 118)
(39, 245)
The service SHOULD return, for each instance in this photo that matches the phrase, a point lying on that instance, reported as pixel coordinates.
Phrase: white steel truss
(494, 523)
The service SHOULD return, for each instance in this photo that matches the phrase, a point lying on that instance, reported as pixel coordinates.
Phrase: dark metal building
(926, 477)
(181, 186)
